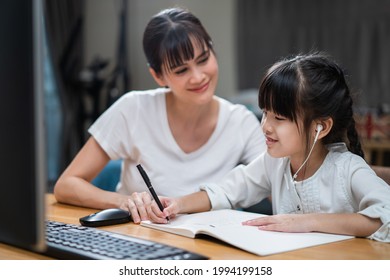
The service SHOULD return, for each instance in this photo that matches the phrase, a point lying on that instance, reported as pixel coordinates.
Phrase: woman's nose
(197, 76)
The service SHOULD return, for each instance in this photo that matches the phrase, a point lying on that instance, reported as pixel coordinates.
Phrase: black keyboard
(67, 241)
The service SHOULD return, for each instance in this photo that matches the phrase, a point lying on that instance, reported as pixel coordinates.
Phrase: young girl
(313, 167)
(180, 133)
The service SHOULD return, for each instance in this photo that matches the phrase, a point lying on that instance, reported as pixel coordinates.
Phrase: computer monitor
(23, 179)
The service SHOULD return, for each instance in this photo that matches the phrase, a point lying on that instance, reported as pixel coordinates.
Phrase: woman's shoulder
(145, 94)
(140, 99)
(230, 105)
(129, 104)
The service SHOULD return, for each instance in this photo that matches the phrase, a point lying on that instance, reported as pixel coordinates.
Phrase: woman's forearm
(76, 191)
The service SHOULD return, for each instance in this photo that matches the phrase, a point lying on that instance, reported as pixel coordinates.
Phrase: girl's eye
(280, 118)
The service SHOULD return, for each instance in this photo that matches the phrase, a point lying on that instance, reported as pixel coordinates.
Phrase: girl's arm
(348, 224)
(192, 203)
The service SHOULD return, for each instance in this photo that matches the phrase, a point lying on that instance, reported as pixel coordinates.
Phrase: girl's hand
(283, 222)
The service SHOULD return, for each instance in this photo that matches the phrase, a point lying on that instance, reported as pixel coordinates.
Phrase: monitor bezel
(23, 145)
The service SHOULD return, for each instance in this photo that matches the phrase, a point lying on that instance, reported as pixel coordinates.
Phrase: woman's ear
(158, 78)
(325, 126)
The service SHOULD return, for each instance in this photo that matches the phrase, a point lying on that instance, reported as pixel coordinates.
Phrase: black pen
(150, 187)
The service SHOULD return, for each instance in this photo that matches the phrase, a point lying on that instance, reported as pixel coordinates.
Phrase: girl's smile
(269, 141)
(281, 136)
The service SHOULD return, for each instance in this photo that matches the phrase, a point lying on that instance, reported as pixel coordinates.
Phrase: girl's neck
(314, 162)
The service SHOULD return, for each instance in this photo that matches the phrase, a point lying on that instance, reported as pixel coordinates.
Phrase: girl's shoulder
(341, 157)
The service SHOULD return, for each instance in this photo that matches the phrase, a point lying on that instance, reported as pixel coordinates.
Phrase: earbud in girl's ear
(318, 130)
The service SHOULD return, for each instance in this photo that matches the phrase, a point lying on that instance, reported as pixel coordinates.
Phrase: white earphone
(319, 128)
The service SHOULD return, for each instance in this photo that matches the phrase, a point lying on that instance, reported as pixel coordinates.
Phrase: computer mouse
(106, 217)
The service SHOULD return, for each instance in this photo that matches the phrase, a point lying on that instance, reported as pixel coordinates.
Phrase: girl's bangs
(278, 92)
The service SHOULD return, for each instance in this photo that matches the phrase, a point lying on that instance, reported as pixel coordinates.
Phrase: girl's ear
(326, 125)
(158, 78)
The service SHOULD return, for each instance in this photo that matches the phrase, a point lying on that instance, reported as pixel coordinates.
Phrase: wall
(101, 29)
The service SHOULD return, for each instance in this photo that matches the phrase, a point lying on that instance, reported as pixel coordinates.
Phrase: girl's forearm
(348, 223)
(196, 202)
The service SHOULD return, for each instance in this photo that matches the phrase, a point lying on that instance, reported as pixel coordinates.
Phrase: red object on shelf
(369, 126)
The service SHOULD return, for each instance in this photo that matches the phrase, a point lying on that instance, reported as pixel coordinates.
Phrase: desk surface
(357, 248)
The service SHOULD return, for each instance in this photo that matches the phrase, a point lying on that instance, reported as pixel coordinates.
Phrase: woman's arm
(349, 223)
(74, 187)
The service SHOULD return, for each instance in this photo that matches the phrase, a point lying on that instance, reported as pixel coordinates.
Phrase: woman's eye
(279, 118)
(203, 60)
(180, 71)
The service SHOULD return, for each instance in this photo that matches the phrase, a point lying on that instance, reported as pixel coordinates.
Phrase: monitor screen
(23, 179)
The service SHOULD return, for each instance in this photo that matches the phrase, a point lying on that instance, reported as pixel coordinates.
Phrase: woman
(181, 133)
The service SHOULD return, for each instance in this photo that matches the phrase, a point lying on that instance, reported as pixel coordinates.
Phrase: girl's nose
(265, 125)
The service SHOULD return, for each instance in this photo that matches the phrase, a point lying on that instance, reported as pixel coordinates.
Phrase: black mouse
(106, 217)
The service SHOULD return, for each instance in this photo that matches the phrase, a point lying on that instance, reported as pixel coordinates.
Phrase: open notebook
(226, 225)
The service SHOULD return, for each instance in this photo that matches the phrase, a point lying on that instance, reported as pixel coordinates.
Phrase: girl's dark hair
(312, 87)
(167, 38)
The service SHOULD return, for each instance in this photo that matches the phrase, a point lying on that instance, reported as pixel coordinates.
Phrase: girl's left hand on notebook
(282, 222)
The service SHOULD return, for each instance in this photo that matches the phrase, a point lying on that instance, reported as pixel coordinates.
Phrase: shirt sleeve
(241, 187)
(373, 197)
(113, 129)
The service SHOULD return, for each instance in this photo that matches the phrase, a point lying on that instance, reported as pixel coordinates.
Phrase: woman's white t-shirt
(136, 129)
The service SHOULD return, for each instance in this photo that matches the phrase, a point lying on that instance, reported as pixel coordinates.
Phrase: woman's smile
(201, 88)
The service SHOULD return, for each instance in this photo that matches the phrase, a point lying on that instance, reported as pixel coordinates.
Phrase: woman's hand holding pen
(142, 207)
(192, 203)
(171, 208)
(151, 209)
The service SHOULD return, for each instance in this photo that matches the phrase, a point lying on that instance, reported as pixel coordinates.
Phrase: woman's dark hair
(312, 87)
(167, 38)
